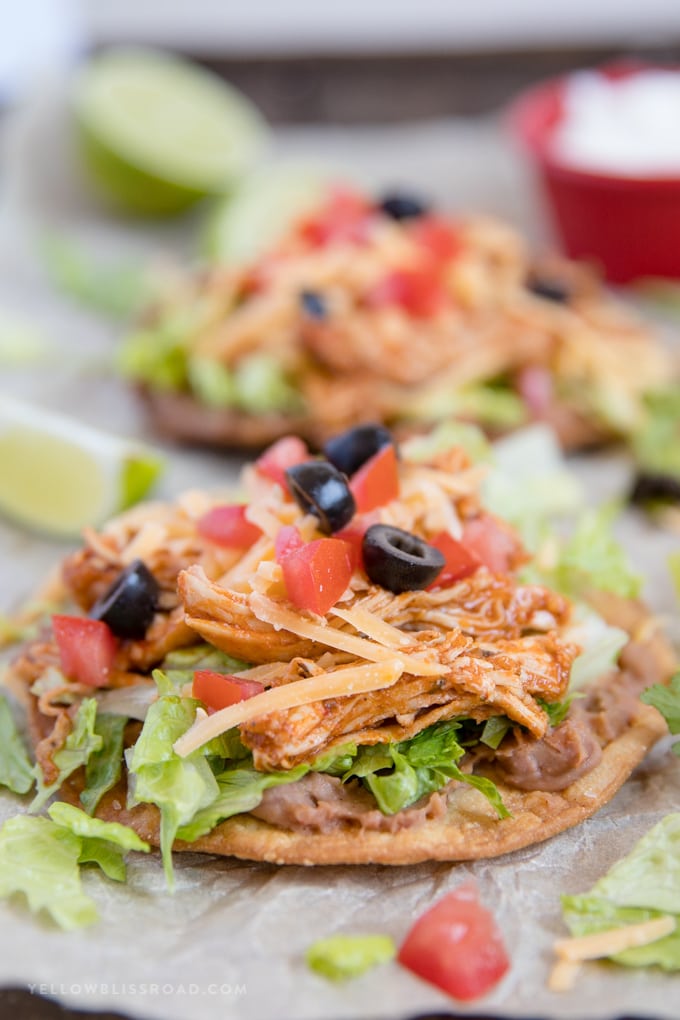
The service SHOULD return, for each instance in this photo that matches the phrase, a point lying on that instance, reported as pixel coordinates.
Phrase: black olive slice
(351, 449)
(128, 607)
(550, 288)
(400, 206)
(650, 488)
(313, 304)
(398, 560)
(319, 488)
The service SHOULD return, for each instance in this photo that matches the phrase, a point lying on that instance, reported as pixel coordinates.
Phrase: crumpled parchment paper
(230, 941)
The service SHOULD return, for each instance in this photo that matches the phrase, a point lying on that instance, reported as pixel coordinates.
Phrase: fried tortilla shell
(470, 828)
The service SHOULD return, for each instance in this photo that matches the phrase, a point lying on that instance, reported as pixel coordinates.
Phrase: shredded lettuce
(655, 442)
(102, 843)
(179, 787)
(398, 775)
(443, 437)
(40, 859)
(493, 405)
(674, 567)
(203, 656)
(530, 484)
(239, 790)
(667, 701)
(104, 766)
(644, 885)
(600, 644)
(16, 770)
(81, 742)
(116, 290)
(211, 381)
(347, 956)
(592, 558)
(262, 386)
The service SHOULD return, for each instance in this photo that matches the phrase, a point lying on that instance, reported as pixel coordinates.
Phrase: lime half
(58, 475)
(261, 209)
(159, 133)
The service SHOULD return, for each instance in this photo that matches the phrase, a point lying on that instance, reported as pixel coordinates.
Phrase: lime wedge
(58, 475)
(261, 210)
(159, 133)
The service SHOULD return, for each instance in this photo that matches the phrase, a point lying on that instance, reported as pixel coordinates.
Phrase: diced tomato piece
(344, 218)
(218, 690)
(535, 387)
(317, 574)
(456, 946)
(419, 293)
(439, 240)
(280, 456)
(460, 561)
(87, 649)
(377, 481)
(228, 526)
(486, 539)
(353, 535)
(287, 540)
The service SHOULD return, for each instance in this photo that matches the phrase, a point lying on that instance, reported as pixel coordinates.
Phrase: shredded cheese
(563, 976)
(284, 619)
(339, 684)
(373, 627)
(616, 940)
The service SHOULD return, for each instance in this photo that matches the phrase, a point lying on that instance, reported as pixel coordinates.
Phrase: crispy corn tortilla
(470, 830)
(180, 417)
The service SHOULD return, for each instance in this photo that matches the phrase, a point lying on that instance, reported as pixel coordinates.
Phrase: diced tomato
(439, 240)
(456, 946)
(486, 539)
(353, 535)
(282, 454)
(344, 218)
(87, 649)
(377, 481)
(287, 540)
(228, 526)
(418, 292)
(460, 561)
(535, 387)
(317, 574)
(218, 690)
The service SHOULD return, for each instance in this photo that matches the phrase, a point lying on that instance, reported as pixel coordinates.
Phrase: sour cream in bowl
(606, 148)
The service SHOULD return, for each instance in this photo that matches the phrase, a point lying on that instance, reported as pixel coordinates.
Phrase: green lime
(260, 210)
(58, 475)
(159, 133)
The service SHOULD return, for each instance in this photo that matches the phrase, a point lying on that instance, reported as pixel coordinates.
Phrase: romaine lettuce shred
(40, 858)
(641, 886)
(340, 957)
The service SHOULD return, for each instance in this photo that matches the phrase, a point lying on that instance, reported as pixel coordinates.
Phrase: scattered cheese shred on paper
(572, 952)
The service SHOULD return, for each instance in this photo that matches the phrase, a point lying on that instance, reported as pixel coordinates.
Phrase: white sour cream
(629, 127)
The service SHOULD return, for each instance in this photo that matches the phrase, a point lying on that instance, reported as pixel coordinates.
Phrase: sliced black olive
(319, 488)
(128, 607)
(550, 288)
(398, 560)
(313, 304)
(650, 488)
(399, 206)
(351, 449)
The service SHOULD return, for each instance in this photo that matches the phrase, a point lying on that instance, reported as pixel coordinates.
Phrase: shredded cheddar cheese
(338, 684)
(281, 618)
(616, 940)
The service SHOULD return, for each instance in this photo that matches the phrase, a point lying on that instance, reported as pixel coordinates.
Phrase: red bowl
(630, 225)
